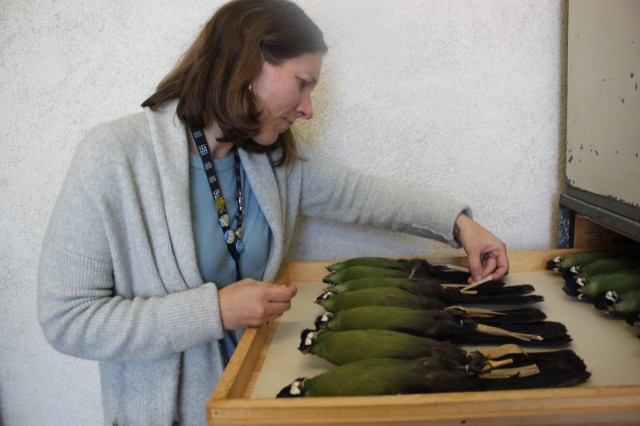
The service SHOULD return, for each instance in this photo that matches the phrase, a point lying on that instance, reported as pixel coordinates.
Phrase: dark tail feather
(448, 275)
(491, 299)
(506, 289)
(506, 316)
(556, 370)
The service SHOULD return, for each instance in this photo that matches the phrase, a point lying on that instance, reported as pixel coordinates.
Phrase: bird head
(324, 296)
(322, 320)
(554, 263)
(294, 390)
(605, 301)
(307, 340)
(572, 287)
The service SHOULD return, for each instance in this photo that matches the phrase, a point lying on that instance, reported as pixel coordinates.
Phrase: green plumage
(343, 347)
(378, 262)
(379, 296)
(410, 285)
(564, 266)
(606, 265)
(357, 272)
(400, 268)
(617, 303)
(397, 296)
(578, 259)
(619, 281)
(393, 377)
(376, 377)
(442, 325)
(487, 293)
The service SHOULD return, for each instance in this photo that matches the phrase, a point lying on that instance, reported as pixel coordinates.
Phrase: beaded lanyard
(231, 237)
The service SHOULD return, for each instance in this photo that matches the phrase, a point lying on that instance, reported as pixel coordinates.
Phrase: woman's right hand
(249, 303)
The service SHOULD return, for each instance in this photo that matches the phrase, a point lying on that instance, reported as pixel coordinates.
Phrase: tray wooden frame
(231, 402)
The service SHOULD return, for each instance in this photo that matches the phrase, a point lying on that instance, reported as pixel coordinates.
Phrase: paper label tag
(501, 351)
(505, 373)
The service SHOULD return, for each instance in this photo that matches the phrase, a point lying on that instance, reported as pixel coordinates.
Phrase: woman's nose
(305, 107)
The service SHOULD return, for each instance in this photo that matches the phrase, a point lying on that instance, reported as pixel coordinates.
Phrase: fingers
(488, 267)
(494, 262)
(252, 303)
(475, 268)
(279, 300)
(502, 265)
(281, 293)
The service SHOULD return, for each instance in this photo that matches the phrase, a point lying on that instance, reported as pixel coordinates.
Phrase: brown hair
(211, 80)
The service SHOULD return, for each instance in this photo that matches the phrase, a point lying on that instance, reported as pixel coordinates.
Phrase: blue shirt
(214, 260)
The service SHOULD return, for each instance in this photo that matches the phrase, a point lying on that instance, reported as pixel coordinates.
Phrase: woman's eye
(302, 83)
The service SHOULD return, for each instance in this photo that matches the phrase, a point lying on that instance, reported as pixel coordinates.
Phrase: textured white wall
(464, 97)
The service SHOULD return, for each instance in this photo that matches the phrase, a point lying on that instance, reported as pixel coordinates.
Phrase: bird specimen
(603, 265)
(442, 325)
(392, 296)
(448, 293)
(373, 261)
(563, 265)
(412, 268)
(459, 314)
(348, 346)
(587, 288)
(381, 376)
(618, 303)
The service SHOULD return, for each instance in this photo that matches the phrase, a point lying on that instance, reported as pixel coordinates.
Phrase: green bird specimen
(606, 264)
(392, 296)
(411, 266)
(343, 347)
(380, 296)
(563, 265)
(618, 303)
(459, 314)
(488, 292)
(357, 272)
(573, 285)
(589, 288)
(442, 325)
(374, 261)
(395, 377)
(422, 270)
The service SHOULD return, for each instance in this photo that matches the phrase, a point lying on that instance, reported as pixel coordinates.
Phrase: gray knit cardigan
(118, 279)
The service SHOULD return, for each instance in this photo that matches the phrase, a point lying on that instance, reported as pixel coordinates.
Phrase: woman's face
(284, 90)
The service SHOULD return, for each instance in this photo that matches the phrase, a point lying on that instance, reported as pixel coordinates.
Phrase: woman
(172, 223)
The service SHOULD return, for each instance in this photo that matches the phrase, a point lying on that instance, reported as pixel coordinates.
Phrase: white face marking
(310, 338)
(296, 388)
(327, 295)
(326, 317)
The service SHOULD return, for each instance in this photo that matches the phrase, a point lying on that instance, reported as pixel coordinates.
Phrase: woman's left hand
(487, 254)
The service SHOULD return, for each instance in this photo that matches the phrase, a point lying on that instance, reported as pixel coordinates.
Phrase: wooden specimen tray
(245, 394)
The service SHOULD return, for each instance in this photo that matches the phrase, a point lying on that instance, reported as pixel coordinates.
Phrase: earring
(250, 87)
